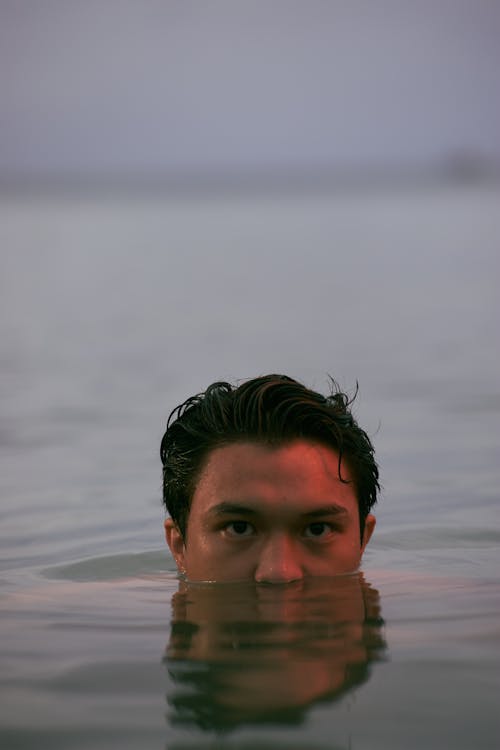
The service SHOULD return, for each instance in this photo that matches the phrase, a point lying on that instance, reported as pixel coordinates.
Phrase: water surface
(113, 310)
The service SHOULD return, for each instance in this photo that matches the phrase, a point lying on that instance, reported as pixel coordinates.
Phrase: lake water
(115, 309)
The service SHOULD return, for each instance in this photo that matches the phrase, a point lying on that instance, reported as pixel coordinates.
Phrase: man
(267, 482)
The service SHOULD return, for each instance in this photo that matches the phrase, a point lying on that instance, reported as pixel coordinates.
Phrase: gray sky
(112, 86)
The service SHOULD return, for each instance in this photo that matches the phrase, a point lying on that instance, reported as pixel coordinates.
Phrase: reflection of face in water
(250, 653)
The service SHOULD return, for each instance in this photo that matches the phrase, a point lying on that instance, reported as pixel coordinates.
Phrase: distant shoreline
(257, 183)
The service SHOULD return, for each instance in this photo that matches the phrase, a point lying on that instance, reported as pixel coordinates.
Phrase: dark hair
(272, 409)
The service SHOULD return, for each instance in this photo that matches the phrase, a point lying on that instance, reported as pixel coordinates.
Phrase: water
(113, 310)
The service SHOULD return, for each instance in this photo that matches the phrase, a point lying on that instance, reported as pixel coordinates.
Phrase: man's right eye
(239, 528)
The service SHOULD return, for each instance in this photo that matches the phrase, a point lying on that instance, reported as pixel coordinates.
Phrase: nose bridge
(279, 560)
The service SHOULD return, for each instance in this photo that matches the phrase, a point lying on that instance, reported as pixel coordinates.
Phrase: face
(270, 515)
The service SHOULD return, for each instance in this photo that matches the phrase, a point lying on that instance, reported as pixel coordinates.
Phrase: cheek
(204, 555)
(210, 560)
(347, 554)
(197, 545)
(353, 546)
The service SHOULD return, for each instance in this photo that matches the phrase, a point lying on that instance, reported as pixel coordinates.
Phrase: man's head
(267, 481)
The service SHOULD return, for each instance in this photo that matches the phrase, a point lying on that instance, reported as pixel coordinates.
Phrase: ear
(370, 522)
(176, 544)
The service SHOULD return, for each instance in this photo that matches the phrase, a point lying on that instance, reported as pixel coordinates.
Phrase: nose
(279, 561)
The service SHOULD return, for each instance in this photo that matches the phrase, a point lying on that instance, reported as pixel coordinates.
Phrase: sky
(168, 87)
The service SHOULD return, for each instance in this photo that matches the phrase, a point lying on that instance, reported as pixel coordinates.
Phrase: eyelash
(329, 527)
(326, 527)
(227, 526)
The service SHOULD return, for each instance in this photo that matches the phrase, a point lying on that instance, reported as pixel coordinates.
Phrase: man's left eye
(317, 530)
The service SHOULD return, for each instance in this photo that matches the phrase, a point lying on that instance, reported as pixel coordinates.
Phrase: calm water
(112, 312)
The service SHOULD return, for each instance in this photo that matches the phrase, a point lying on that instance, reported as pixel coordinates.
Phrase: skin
(270, 515)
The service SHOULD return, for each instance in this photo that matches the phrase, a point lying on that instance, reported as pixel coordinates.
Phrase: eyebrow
(226, 508)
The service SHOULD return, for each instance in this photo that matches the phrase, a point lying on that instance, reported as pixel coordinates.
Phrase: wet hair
(271, 410)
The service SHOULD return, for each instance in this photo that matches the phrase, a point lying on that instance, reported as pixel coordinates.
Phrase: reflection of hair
(271, 409)
(202, 707)
(197, 701)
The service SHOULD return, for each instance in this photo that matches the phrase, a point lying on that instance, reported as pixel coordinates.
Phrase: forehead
(301, 472)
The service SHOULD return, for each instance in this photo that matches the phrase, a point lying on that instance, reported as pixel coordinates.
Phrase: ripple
(426, 538)
(112, 567)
